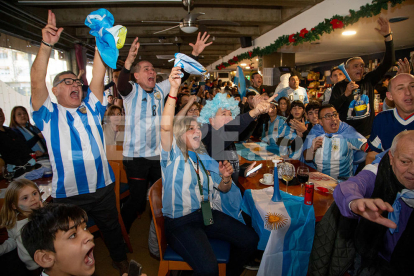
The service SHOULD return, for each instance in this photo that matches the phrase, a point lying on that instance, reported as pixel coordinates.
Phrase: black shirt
(13, 148)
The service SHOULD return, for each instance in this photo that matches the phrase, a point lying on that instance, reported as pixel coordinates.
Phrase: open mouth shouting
(89, 259)
(74, 94)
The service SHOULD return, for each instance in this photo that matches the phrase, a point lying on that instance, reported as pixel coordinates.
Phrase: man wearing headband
(358, 94)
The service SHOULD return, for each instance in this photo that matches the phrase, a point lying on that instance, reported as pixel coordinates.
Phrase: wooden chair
(116, 167)
(170, 260)
(114, 153)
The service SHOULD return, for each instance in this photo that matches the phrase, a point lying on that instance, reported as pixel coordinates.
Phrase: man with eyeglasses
(331, 144)
(357, 96)
(72, 128)
(144, 104)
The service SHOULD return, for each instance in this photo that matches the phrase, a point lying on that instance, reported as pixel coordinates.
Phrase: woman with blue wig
(199, 199)
(222, 126)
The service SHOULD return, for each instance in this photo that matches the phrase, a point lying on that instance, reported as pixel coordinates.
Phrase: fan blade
(168, 22)
(192, 17)
(167, 29)
(212, 22)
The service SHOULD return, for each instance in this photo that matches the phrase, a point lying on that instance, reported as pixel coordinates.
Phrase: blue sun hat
(219, 101)
(189, 65)
(109, 38)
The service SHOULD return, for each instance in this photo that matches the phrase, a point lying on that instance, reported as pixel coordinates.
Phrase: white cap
(277, 161)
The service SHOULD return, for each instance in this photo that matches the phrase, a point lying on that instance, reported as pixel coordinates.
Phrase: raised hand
(133, 51)
(384, 26)
(50, 33)
(403, 66)
(225, 168)
(200, 44)
(299, 126)
(256, 100)
(371, 209)
(174, 78)
(350, 87)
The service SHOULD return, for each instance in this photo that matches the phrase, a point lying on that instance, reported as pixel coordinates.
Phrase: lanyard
(200, 186)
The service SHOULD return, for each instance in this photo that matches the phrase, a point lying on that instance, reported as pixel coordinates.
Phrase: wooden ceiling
(26, 18)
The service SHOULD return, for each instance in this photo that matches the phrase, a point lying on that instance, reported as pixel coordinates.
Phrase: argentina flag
(286, 230)
(240, 81)
(189, 65)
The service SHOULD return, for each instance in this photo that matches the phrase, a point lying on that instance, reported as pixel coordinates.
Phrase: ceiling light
(188, 27)
(243, 64)
(349, 33)
(214, 38)
(247, 67)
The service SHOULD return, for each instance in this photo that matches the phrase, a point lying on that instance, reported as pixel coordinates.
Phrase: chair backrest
(116, 168)
(155, 199)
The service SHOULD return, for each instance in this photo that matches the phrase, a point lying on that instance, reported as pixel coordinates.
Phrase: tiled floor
(139, 240)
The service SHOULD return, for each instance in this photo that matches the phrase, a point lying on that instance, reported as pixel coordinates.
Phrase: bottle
(276, 192)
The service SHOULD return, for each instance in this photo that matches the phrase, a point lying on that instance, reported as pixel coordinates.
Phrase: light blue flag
(109, 38)
(286, 230)
(240, 81)
(189, 65)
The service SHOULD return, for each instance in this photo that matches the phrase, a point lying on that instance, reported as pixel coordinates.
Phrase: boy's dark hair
(254, 74)
(312, 105)
(250, 93)
(117, 70)
(333, 69)
(40, 232)
(236, 95)
(292, 76)
(325, 106)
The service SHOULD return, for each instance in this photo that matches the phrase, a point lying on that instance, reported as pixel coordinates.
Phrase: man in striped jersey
(331, 145)
(144, 104)
(75, 140)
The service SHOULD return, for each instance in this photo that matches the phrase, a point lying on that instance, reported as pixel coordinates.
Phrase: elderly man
(358, 95)
(144, 104)
(294, 92)
(383, 202)
(73, 133)
(336, 76)
(331, 144)
(256, 85)
(388, 124)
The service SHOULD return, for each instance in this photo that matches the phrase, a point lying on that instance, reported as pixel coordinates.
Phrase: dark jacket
(366, 86)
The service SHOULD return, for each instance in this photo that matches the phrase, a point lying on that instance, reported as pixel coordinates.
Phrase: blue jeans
(188, 236)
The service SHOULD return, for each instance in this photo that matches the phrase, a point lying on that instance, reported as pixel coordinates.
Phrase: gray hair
(402, 134)
(351, 59)
(57, 78)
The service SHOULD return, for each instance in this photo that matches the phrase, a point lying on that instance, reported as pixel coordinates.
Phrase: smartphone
(258, 167)
(134, 268)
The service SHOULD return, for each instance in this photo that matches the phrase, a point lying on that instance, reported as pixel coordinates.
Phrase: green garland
(326, 26)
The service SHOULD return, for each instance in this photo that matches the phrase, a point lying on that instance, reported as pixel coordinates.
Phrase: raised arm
(200, 44)
(98, 75)
(50, 36)
(169, 110)
(184, 110)
(124, 87)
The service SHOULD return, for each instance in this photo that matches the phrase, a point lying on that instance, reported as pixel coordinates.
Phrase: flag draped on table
(240, 81)
(109, 38)
(286, 230)
(189, 65)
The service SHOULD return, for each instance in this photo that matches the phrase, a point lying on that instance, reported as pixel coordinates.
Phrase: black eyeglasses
(69, 81)
(330, 116)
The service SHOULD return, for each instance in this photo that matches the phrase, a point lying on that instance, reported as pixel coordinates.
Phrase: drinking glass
(287, 170)
(8, 175)
(303, 177)
(269, 165)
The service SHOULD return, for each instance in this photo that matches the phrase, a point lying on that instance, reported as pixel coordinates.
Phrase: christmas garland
(326, 26)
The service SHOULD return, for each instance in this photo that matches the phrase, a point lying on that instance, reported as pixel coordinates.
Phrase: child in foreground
(21, 198)
(57, 238)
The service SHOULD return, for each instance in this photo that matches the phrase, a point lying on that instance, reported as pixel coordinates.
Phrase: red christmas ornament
(337, 24)
(250, 54)
(235, 58)
(303, 32)
(291, 39)
(313, 29)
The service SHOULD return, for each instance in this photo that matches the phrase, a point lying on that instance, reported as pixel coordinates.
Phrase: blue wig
(219, 101)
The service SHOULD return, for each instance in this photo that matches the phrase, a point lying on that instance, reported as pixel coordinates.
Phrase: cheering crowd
(185, 134)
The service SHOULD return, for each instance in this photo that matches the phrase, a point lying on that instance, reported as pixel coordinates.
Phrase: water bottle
(276, 192)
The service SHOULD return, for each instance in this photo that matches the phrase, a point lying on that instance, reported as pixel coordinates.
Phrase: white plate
(262, 182)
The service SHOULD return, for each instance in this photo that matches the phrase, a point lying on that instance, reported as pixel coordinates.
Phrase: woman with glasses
(20, 123)
(114, 126)
(331, 145)
(199, 199)
(192, 108)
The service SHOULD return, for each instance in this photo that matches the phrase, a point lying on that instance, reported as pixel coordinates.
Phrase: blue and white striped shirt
(76, 146)
(143, 120)
(294, 95)
(335, 157)
(274, 130)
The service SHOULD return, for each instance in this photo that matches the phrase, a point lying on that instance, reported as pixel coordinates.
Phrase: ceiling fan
(189, 24)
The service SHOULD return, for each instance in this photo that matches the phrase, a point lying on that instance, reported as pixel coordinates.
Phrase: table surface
(321, 201)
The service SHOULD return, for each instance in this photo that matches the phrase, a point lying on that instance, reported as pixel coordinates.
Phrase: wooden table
(321, 201)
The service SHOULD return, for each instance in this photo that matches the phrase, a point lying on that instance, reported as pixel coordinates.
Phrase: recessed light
(247, 67)
(348, 33)
(398, 19)
(257, 59)
(243, 64)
